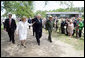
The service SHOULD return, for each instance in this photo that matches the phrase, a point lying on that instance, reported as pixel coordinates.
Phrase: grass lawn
(2, 27)
(77, 43)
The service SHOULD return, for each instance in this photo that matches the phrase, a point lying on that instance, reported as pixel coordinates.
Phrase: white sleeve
(17, 29)
(29, 24)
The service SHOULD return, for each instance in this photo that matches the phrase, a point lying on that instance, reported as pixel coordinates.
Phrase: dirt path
(46, 49)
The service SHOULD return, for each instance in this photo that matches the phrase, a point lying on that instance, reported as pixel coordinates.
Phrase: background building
(64, 14)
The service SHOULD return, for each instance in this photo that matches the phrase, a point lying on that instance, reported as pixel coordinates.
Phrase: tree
(19, 8)
(25, 8)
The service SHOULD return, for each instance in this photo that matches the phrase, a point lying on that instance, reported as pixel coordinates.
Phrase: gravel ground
(46, 49)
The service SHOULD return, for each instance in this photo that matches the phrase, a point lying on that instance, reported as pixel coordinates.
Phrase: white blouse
(22, 30)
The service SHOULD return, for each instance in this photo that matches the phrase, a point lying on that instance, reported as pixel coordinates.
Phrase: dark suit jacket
(38, 25)
(33, 20)
(7, 26)
(62, 24)
(49, 25)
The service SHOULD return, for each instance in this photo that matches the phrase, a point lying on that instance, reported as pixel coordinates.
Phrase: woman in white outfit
(22, 27)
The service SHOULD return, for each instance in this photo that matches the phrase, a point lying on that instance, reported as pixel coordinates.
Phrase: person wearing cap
(10, 27)
(38, 28)
(21, 30)
(49, 27)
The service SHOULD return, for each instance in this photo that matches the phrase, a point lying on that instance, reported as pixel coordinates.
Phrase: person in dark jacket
(38, 28)
(10, 27)
(49, 27)
(66, 24)
(62, 27)
(33, 26)
(29, 21)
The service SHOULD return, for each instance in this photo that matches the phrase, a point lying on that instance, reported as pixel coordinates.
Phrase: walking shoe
(24, 46)
(13, 42)
(51, 41)
(39, 44)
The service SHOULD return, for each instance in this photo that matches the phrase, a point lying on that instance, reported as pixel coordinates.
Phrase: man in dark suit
(10, 27)
(38, 28)
(62, 27)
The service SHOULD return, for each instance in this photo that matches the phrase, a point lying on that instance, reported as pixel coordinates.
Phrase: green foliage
(25, 8)
(2, 27)
(67, 10)
(43, 13)
(20, 8)
(83, 17)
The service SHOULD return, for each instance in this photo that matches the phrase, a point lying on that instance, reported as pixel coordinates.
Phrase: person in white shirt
(21, 30)
(43, 22)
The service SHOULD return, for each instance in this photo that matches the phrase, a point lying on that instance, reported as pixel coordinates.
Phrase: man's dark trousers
(49, 37)
(38, 36)
(11, 35)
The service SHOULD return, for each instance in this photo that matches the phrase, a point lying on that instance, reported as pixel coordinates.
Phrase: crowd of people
(70, 26)
(21, 28)
(66, 26)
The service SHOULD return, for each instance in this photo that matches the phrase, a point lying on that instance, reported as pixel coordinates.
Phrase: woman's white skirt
(23, 36)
